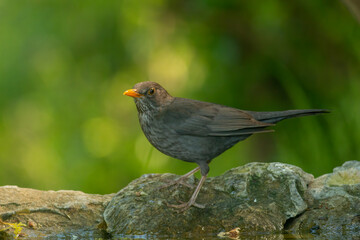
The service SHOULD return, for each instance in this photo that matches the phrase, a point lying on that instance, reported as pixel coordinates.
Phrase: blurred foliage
(64, 123)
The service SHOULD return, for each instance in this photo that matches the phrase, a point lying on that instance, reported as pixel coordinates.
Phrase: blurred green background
(64, 123)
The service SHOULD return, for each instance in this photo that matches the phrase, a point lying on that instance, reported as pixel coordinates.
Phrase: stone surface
(334, 199)
(255, 201)
(257, 197)
(51, 212)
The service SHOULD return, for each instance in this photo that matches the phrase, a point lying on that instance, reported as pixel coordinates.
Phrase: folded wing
(198, 118)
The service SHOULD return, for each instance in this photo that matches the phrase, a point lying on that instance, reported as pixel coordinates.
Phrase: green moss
(15, 228)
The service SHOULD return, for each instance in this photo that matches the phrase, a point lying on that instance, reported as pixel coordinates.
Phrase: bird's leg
(191, 202)
(181, 180)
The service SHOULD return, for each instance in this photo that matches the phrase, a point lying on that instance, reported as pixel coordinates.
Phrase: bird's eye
(151, 91)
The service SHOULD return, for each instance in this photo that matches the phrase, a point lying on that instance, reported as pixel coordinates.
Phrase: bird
(196, 131)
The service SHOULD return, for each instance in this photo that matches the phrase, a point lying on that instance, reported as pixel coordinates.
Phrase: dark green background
(64, 123)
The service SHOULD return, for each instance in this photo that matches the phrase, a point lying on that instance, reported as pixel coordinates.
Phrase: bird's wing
(189, 117)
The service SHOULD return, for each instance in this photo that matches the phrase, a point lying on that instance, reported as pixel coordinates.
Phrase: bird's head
(149, 96)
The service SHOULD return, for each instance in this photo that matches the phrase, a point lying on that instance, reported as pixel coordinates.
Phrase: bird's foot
(185, 205)
(179, 181)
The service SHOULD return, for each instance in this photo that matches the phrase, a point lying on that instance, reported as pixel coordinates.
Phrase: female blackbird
(196, 131)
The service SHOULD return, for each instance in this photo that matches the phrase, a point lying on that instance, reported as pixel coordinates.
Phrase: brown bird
(195, 131)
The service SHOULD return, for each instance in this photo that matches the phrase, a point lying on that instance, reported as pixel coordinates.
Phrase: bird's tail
(274, 117)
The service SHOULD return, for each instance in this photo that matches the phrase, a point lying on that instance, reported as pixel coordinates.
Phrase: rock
(54, 213)
(335, 204)
(258, 200)
(257, 197)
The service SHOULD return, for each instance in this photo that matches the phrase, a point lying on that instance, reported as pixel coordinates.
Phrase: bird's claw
(185, 206)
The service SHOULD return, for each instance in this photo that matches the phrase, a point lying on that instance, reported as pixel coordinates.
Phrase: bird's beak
(132, 93)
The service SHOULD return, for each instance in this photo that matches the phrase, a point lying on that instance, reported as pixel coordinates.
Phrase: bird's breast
(158, 134)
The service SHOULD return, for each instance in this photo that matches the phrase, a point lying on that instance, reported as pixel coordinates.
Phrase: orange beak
(132, 93)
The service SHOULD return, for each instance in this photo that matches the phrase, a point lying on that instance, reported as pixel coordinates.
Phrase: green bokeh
(64, 123)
